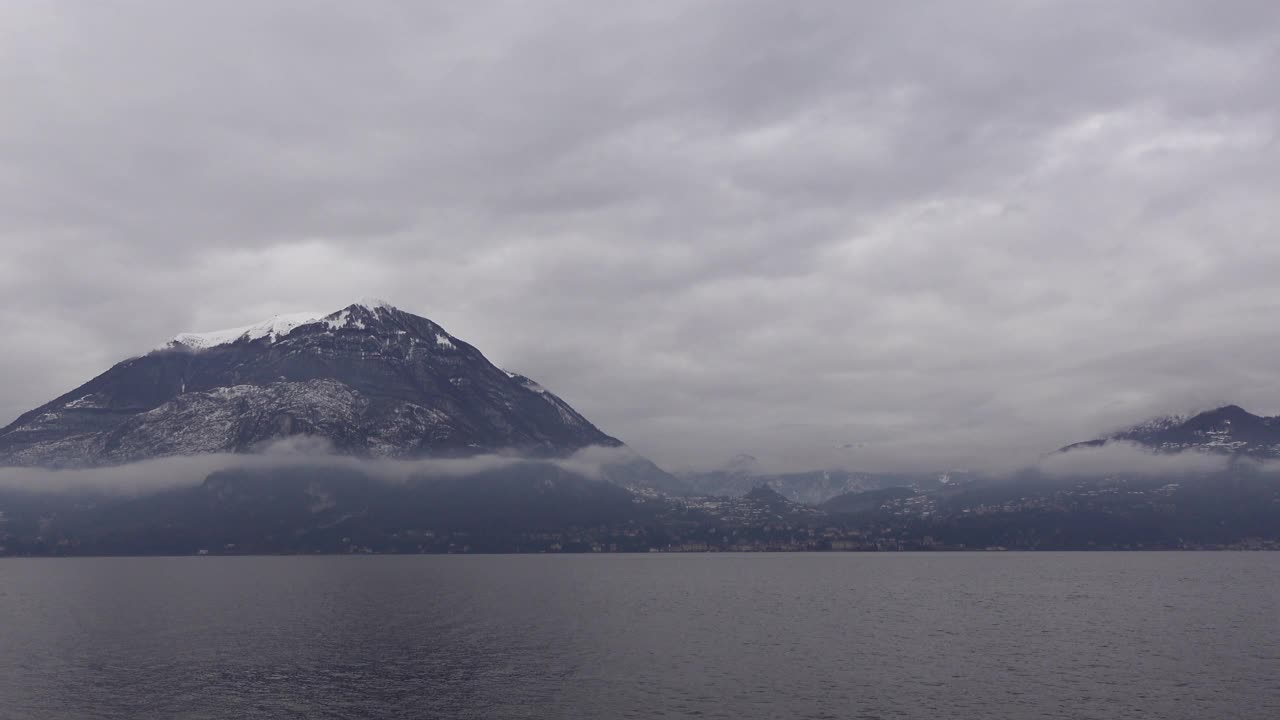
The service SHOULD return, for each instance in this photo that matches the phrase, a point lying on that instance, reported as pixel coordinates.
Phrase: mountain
(375, 382)
(867, 500)
(371, 379)
(742, 465)
(1226, 430)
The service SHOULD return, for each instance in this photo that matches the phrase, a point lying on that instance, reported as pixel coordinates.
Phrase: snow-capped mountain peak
(375, 304)
(369, 378)
(273, 328)
(355, 315)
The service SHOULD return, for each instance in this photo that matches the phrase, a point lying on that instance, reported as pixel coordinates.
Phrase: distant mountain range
(376, 383)
(1229, 431)
(814, 487)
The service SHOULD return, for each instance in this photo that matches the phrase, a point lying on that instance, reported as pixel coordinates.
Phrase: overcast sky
(878, 236)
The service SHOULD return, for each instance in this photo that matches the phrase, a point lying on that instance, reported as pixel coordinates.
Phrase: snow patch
(88, 401)
(232, 391)
(281, 325)
(525, 382)
(567, 415)
(374, 304)
(1157, 424)
(531, 385)
(443, 341)
(273, 329)
(343, 319)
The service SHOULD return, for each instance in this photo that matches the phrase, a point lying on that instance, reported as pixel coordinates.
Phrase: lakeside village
(1084, 517)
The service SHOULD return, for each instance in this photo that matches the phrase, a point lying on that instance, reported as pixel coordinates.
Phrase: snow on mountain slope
(373, 380)
(1228, 430)
(272, 329)
(277, 327)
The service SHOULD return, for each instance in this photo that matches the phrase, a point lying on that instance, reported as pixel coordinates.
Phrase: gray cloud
(150, 476)
(824, 233)
(1128, 459)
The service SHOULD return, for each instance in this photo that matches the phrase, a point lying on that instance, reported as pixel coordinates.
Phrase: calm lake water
(1105, 635)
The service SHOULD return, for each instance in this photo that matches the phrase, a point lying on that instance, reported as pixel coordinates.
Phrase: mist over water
(1097, 635)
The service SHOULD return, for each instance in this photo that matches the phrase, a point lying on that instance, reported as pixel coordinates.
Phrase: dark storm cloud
(879, 236)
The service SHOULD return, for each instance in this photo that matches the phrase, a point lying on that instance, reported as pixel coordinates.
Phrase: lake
(980, 635)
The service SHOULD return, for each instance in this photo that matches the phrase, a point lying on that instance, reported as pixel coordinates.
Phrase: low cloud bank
(299, 452)
(1121, 458)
